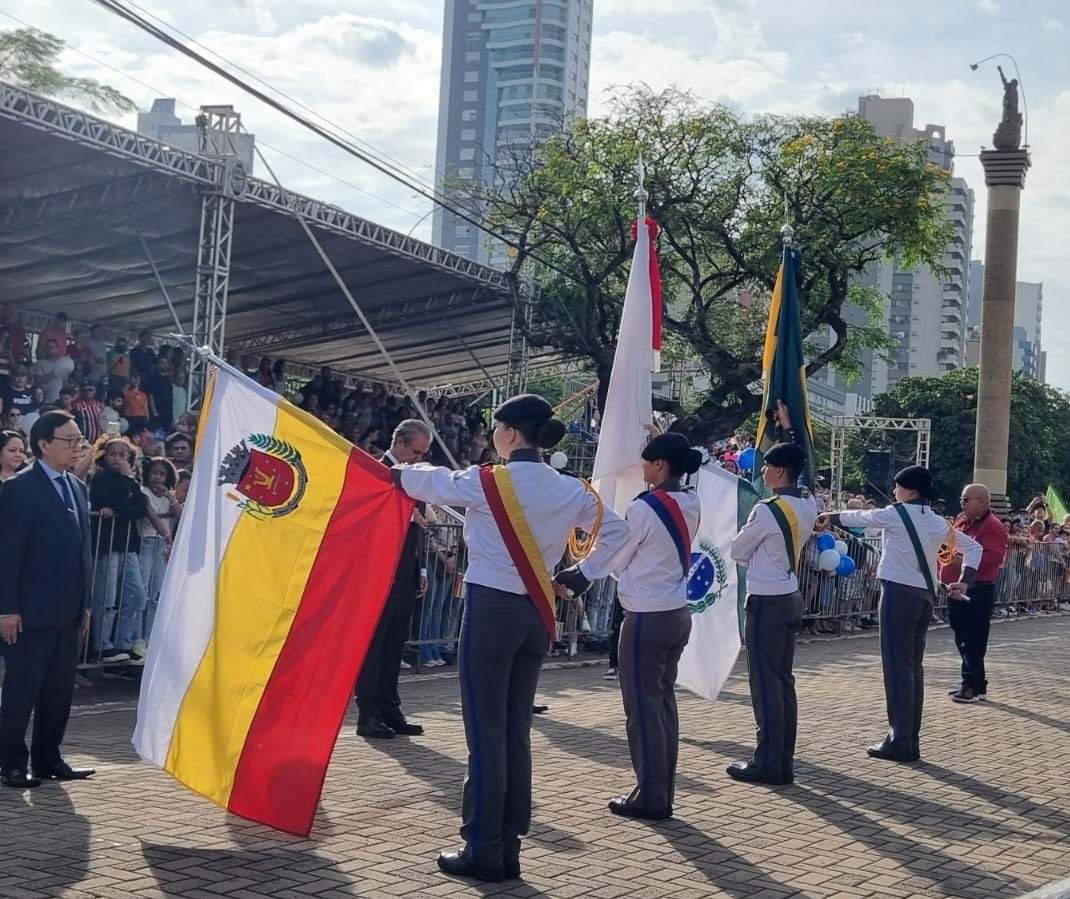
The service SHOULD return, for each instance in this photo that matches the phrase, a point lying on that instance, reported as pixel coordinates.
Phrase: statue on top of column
(1008, 134)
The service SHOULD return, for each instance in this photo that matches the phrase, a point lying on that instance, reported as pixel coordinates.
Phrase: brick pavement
(987, 814)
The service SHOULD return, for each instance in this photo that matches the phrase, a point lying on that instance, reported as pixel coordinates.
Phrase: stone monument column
(1005, 168)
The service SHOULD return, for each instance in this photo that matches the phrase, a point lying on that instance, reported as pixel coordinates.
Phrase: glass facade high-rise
(512, 70)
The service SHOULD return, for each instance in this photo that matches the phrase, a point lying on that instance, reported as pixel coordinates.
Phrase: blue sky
(373, 68)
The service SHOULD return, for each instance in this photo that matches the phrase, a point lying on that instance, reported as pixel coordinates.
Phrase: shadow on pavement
(63, 862)
(720, 866)
(856, 807)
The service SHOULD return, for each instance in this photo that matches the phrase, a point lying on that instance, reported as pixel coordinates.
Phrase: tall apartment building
(512, 70)
(1029, 356)
(924, 313)
(162, 124)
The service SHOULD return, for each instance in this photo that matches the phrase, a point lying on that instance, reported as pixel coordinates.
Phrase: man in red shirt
(971, 619)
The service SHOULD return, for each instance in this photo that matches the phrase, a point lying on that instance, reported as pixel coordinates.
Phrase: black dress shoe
(375, 729)
(63, 771)
(624, 807)
(19, 779)
(748, 772)
(512, 869)
(457, 865)
(888, 753)
(404, 728)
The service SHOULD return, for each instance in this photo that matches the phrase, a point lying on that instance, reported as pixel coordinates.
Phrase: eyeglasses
(966, 499)
(73, 442)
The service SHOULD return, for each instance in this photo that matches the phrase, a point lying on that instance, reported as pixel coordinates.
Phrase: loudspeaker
(879, 468)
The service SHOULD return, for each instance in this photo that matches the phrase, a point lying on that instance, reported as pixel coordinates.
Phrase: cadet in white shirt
(652, 587)
(770, 545)
(519, 518)
(913, 535)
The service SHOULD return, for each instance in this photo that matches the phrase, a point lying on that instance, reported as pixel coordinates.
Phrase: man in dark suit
(378, 702)
(44, 609)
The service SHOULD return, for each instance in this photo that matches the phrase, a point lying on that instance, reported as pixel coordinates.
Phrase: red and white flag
(618, 475)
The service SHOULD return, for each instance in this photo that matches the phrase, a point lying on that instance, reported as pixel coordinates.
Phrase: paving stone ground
(986, 814)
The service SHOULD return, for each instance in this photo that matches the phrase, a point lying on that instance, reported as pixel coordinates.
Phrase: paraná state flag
(784, 370)
(715, 584)
(287, 547)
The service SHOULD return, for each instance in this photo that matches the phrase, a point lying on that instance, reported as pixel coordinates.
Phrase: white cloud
(989, 7)
(1052, 26)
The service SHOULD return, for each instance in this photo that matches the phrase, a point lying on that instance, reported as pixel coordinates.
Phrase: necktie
(68, 496)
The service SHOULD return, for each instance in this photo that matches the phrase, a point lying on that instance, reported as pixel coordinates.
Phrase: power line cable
(262, 143)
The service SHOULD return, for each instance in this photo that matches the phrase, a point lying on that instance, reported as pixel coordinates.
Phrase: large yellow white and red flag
(286, 549)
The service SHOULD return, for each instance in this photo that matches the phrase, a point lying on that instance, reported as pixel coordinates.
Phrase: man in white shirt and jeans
(913, 535)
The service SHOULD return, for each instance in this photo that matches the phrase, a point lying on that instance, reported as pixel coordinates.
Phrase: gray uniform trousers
(905, 613)
(502, 647)
(651, 644)
(772, 623)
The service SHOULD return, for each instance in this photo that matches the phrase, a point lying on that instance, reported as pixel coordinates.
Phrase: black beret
(914, 477)
(666, 446)
(524, 407)
(785, 455)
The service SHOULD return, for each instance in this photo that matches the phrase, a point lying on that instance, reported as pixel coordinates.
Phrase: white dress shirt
(650, 577)
(554, 505)
(899, 561)
(761, 547)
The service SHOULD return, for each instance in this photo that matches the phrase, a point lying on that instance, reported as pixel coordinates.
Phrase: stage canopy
(87, 210)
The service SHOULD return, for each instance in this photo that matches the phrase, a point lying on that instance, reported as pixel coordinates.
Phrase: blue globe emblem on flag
(701, 577)
(707, 579)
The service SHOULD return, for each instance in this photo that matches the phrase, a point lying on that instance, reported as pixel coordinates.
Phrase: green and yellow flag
(784, 369)
(1056, 504)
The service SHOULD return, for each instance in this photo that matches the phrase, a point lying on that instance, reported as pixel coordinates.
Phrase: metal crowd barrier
(1035, 579)
(124, 592)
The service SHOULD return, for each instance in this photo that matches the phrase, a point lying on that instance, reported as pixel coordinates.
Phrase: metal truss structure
(841, 424)
(55, 118)
(218, 127)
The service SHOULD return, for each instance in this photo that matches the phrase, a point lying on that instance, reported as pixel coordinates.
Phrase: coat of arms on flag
(269, 475)
(708, 578)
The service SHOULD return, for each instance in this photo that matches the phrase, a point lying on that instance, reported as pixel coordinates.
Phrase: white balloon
(558, 460)
(841, 547)
(829, 560)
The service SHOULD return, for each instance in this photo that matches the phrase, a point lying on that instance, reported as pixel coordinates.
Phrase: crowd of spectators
(130, 403)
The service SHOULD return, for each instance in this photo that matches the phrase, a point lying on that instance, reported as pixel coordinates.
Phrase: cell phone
(112, 427)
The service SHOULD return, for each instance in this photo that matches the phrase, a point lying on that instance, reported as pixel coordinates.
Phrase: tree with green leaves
(720, 189)
(1040, 421)
(30, 59)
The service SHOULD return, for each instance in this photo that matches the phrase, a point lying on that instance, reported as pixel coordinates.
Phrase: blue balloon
(825, 541)
(846, 567)
(746, 459)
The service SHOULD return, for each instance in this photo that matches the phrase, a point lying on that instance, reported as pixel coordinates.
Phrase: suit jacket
(412, 552)
(45, 557)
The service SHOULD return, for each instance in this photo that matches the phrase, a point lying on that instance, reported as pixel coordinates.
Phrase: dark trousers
(502, 646)
(772, 623)
(616, 620)
(377, 686)
(651, 644)
(905, 613)
(39, 679)
(971, 621)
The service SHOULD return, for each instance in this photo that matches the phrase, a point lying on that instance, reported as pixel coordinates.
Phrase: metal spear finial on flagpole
(641, 196)
(787, 233)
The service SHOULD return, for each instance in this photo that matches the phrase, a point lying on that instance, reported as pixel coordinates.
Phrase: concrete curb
(1060, 889)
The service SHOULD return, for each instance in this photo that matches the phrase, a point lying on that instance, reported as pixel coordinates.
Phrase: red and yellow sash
(520, 542)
